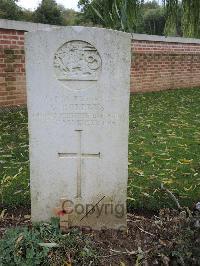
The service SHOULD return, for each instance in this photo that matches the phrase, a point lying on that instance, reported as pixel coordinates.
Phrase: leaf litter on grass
(164, 147)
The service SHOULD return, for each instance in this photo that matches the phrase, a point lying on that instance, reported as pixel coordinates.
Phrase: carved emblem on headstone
(77, 60)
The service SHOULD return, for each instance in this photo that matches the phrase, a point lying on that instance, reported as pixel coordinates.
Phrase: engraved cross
(79, 156)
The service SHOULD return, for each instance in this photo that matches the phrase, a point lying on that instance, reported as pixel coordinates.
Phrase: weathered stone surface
(78, 100)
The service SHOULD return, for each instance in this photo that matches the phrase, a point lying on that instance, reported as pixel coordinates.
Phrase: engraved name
(87, 119)
(84, 107)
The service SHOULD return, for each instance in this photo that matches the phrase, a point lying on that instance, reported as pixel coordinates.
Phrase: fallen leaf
(48, 245)
(19, 239)
(3, 213)
(184, 161)
(27, 217)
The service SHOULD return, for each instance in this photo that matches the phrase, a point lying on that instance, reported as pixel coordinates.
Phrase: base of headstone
(63, 213)
(101, 216)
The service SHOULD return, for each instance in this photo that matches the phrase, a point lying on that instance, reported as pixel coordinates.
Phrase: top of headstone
(78, 29)
(76, 50)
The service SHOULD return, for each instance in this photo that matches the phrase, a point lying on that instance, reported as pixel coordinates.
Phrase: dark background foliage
(171, 17)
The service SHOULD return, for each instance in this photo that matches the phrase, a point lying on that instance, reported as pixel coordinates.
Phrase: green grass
(14, 162)
(164, 147)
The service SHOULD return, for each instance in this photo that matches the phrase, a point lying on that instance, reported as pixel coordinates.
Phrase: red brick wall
(163, 65)
(155, 66)
(12, 70)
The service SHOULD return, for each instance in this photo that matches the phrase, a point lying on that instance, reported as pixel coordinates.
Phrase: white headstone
(78, 104)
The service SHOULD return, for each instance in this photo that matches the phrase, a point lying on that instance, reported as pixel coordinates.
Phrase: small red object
(61, 213)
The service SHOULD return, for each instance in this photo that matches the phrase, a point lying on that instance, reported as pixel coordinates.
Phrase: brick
(10, 88)
(10, 78)
(6, 103)
(169, 65)
(5, 42)
(10, 37)
(155, 66)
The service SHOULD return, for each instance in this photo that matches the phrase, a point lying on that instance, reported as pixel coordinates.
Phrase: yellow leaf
(67, 264)
(129, 198)
(19, 239)
(138, 171)
(2, 214)
(167, 181)
(188, 189)
(184, 161)
(27, 216)
(145, 194)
